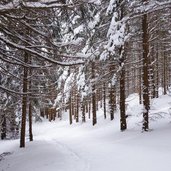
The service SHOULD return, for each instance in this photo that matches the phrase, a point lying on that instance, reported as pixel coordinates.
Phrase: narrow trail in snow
(47, 155)
(58, 146)
(84, 165)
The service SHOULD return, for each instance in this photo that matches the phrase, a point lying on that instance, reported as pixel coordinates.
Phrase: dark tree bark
(164, 73)
(112, 101)
(70, 111)
(30, 122)
(46, 112)
(101, 97)
(157, 74)
(122, 55)
(13, 127)
(97, 99)
(86, 105)
(3, 128)
(123, 124)
(112, 93)
(104, 100)
(93, 95)
(140, 85)
(24, 103)
(77, 106)
(145, 88)
(83, 110)
(89, 108)
(30, 109)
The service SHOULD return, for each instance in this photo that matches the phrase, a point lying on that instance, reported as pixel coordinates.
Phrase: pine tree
(145, 44)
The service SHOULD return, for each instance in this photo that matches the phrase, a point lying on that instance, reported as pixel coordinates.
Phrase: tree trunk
(104, 100)
(157, 74)
(83, 110)
(123, 124)
(70, 110)
(30, 122)
(30, 109)
(97, 99)
(89, 108)
(112, 101)
(3, 128)
(93, 95)
(145, 88)
(164, 73)
(24, 103)
(86, 105)
(101, 97)
(77, 107)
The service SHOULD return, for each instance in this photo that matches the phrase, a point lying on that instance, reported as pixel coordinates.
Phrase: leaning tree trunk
(145, 88)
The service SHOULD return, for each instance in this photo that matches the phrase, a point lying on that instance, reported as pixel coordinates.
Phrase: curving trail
(43, 156)
(57, 146)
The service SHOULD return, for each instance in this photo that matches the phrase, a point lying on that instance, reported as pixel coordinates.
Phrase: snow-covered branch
(148, 8)
(41, 4)
(21, 47)
(13, 91)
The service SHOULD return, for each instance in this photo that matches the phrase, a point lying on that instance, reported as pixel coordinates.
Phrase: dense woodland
(79, 56)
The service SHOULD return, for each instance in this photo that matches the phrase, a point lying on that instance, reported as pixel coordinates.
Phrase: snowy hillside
(58, 146)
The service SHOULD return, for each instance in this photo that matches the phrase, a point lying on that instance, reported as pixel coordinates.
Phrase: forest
(79, 57)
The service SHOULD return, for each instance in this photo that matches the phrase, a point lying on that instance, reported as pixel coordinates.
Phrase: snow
(111, 6)
(58, 146)
(96, 2)
(95, 21)
(78, 62)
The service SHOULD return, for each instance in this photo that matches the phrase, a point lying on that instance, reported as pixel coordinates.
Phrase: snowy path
(139, 151)
(81, 163)
(57, 146)
(93, 150)
(44, 156)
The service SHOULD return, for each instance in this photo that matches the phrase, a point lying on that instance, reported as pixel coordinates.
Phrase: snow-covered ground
(58, 146)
